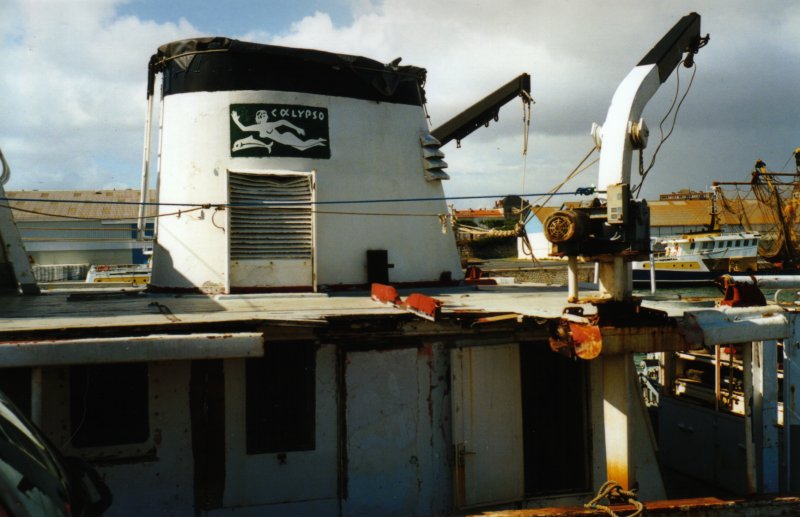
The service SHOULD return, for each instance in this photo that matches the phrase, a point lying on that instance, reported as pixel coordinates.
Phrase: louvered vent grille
(270, 231)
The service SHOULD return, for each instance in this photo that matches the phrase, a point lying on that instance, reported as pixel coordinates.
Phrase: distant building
(684, 194)
(80, 227)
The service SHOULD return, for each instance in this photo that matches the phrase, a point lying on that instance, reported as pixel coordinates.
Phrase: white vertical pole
(791, 408)
(652, 275)
(618, 373)
(770, 457)
(141, 225)
(572, 279)
(761, 416)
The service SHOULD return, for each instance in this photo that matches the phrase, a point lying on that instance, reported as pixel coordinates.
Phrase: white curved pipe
(6, 175)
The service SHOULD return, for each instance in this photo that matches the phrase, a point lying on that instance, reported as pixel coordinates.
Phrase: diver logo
(279, 130)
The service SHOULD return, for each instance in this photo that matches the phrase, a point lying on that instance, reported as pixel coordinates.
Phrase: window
(280, 399)
(738, 243)
(691, 246)
(109, 404)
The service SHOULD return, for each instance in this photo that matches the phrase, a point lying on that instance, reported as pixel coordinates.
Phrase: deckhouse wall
(375, 154)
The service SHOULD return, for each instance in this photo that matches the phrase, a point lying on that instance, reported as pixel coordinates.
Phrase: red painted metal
(385, 294)
(423, 306)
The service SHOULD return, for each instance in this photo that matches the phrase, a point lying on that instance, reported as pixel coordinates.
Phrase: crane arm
(623, 131)
(483, 111)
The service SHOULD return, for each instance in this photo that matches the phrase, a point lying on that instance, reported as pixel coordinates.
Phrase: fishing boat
(760, 244)
(698, 258)
(135, 274)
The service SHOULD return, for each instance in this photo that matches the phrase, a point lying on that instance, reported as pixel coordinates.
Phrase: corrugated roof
(44, 205)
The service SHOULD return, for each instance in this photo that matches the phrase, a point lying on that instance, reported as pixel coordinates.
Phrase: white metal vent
(263, 225)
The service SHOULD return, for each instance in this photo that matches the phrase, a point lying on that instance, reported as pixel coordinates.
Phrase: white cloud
(74, 106)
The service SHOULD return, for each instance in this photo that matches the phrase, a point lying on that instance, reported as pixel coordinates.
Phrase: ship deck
(99, 309)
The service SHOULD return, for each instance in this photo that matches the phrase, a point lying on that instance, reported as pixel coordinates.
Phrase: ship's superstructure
(296, 154)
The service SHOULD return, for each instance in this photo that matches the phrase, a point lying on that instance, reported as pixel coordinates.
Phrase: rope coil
(615, 494)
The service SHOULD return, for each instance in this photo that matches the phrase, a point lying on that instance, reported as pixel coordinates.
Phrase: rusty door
(487, 425)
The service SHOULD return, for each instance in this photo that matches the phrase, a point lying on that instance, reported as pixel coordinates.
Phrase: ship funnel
(281, 168)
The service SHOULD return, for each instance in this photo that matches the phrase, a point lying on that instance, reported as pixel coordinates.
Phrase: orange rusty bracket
(577, 339)
(617, 328)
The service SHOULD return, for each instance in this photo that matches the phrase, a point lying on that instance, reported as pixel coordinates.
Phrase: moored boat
(698, 258)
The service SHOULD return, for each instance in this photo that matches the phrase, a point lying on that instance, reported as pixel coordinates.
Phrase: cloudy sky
(72, 86)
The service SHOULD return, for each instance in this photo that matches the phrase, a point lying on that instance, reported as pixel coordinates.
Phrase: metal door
(487, 425)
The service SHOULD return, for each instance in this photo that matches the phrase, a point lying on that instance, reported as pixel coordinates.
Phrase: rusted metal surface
(618, 327)
(581, 340)
(696, 507)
